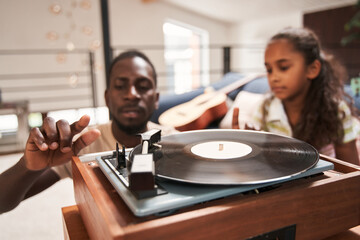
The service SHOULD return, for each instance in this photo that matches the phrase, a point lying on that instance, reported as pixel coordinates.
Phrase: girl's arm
(347, 152)
(235, 121)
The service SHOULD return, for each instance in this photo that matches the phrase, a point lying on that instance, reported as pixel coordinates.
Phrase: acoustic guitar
(199, 112)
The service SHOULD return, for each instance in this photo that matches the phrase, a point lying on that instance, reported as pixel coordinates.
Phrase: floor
(38, 217)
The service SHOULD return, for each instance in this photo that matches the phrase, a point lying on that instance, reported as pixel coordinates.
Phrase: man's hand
(53, 145)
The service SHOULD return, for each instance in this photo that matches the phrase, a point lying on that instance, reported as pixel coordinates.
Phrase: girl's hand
(235, 121)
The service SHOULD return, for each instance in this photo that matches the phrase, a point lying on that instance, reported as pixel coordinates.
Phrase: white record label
(221, 149)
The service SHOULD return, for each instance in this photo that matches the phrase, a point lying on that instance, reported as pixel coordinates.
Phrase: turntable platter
(229, 157)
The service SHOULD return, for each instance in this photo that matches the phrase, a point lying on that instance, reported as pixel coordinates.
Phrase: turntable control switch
(120, 156)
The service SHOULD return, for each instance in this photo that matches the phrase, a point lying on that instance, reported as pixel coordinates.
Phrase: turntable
(216, 183)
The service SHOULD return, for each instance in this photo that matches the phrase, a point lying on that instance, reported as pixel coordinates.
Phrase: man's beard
(131, 130)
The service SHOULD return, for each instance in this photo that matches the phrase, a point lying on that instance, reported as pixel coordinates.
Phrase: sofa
(259, 85)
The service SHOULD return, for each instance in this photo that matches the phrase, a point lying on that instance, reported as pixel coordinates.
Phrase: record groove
(272, 157)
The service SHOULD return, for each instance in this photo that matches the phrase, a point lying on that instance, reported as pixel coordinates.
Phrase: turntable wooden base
(74, 227)
(315, 208)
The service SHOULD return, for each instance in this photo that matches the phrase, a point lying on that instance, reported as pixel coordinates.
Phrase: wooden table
(321, 207)
(74, 227)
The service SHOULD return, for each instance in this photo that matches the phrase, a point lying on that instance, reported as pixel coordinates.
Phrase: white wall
(253, 35)
(134, 23)
(24, 24)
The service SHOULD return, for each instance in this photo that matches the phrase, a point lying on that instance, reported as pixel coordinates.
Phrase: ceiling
(233, 11)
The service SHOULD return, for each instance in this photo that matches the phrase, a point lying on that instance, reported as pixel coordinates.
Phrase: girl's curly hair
(319, 124)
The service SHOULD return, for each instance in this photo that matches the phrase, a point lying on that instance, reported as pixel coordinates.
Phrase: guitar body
(202, 110)
(197, 113)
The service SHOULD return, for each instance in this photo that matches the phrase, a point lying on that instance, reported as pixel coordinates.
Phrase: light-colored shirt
(106, 142)
(276, 120)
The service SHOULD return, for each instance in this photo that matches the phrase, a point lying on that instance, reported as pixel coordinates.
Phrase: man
(131, 97)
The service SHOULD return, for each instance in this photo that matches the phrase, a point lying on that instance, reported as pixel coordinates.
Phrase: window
(186, 56)
(8, 123)
(98, 115)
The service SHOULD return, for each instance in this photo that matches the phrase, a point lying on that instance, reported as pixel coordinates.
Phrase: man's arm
(19, 183)
(46, 147)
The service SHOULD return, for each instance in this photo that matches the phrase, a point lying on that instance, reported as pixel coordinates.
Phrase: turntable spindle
(221, 146)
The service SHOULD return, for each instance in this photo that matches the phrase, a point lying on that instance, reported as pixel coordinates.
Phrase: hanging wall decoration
(74, 31)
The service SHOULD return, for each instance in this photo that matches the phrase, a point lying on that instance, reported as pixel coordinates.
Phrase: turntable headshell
(137, 174)
(142, 170)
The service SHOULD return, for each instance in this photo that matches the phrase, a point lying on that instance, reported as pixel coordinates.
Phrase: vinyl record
(229, 157)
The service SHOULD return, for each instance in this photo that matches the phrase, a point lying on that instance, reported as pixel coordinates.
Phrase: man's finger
(50, 131)
(65, 137)
(36, 141)
(235, 119)
(85, 140)
(78, 126)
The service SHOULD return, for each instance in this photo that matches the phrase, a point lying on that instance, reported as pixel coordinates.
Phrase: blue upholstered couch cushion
(259, 85)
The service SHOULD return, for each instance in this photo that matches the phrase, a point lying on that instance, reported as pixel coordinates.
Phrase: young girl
(307, 96)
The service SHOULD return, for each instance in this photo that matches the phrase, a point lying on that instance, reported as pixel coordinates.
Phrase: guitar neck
(240, 82)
